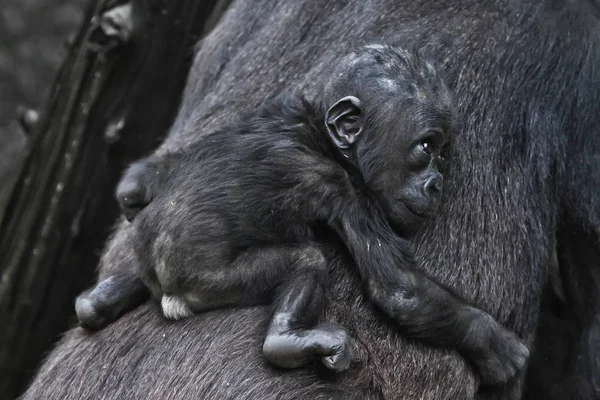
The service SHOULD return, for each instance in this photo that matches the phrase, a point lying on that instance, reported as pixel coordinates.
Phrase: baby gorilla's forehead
(385, 70)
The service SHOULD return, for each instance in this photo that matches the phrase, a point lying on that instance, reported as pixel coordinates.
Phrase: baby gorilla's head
(391, 113)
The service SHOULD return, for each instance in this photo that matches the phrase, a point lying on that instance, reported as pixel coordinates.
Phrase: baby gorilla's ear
(344, 121)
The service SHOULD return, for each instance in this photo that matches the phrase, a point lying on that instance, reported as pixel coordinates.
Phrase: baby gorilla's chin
(421, 211)
(407, 218)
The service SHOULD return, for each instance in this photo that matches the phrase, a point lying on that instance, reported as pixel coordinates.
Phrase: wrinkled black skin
(524, 172)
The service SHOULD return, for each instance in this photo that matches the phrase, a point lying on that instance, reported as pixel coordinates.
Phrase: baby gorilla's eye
(427, 146)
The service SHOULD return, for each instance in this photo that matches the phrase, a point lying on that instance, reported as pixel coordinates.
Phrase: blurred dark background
(94, 90)
(33, 44)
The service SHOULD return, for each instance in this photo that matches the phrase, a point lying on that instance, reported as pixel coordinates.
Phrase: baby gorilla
(233, 220)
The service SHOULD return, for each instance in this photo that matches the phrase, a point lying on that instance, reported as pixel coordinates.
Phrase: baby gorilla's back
(234, 191)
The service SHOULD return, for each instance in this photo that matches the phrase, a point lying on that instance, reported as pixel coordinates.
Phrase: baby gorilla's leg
(298, 304)
(289, 344)
(298, 275)
(110, 299)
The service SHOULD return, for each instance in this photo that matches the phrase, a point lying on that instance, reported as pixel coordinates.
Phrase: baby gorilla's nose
(433, 186)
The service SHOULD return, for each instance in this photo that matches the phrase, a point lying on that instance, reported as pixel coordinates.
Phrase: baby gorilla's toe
(335, 342)
(340, 361)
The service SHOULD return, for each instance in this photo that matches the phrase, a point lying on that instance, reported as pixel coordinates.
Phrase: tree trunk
(112, 102)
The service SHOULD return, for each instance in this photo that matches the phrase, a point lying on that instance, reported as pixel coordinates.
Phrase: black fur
(234, 216)
(523, 74)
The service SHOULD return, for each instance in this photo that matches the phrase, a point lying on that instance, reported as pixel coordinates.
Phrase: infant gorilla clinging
(232, 220)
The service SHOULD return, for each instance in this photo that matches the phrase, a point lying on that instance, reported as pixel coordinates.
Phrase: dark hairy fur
(236, 217)
(524, 174)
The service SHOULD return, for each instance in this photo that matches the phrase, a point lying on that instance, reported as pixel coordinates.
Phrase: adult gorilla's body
(525, 78)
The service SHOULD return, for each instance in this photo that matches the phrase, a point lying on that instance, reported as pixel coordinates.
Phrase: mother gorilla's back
(492, 242)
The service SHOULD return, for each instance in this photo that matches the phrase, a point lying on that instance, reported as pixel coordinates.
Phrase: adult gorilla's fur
(526, 170)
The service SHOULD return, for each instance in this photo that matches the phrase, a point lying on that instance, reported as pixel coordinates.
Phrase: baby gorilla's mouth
(420, 209)
(416, 210)
(404, 217)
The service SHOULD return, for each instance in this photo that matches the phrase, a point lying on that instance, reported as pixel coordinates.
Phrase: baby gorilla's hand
(501, 353)
(297, 348)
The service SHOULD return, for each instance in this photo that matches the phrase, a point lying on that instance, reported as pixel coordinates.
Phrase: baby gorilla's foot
(91, 314)
(108, 300)
(297, 348)
(94, 308)
(501, 355)
(132, 191)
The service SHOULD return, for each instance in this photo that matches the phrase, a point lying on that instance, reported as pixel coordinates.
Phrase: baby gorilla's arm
(426, 310)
